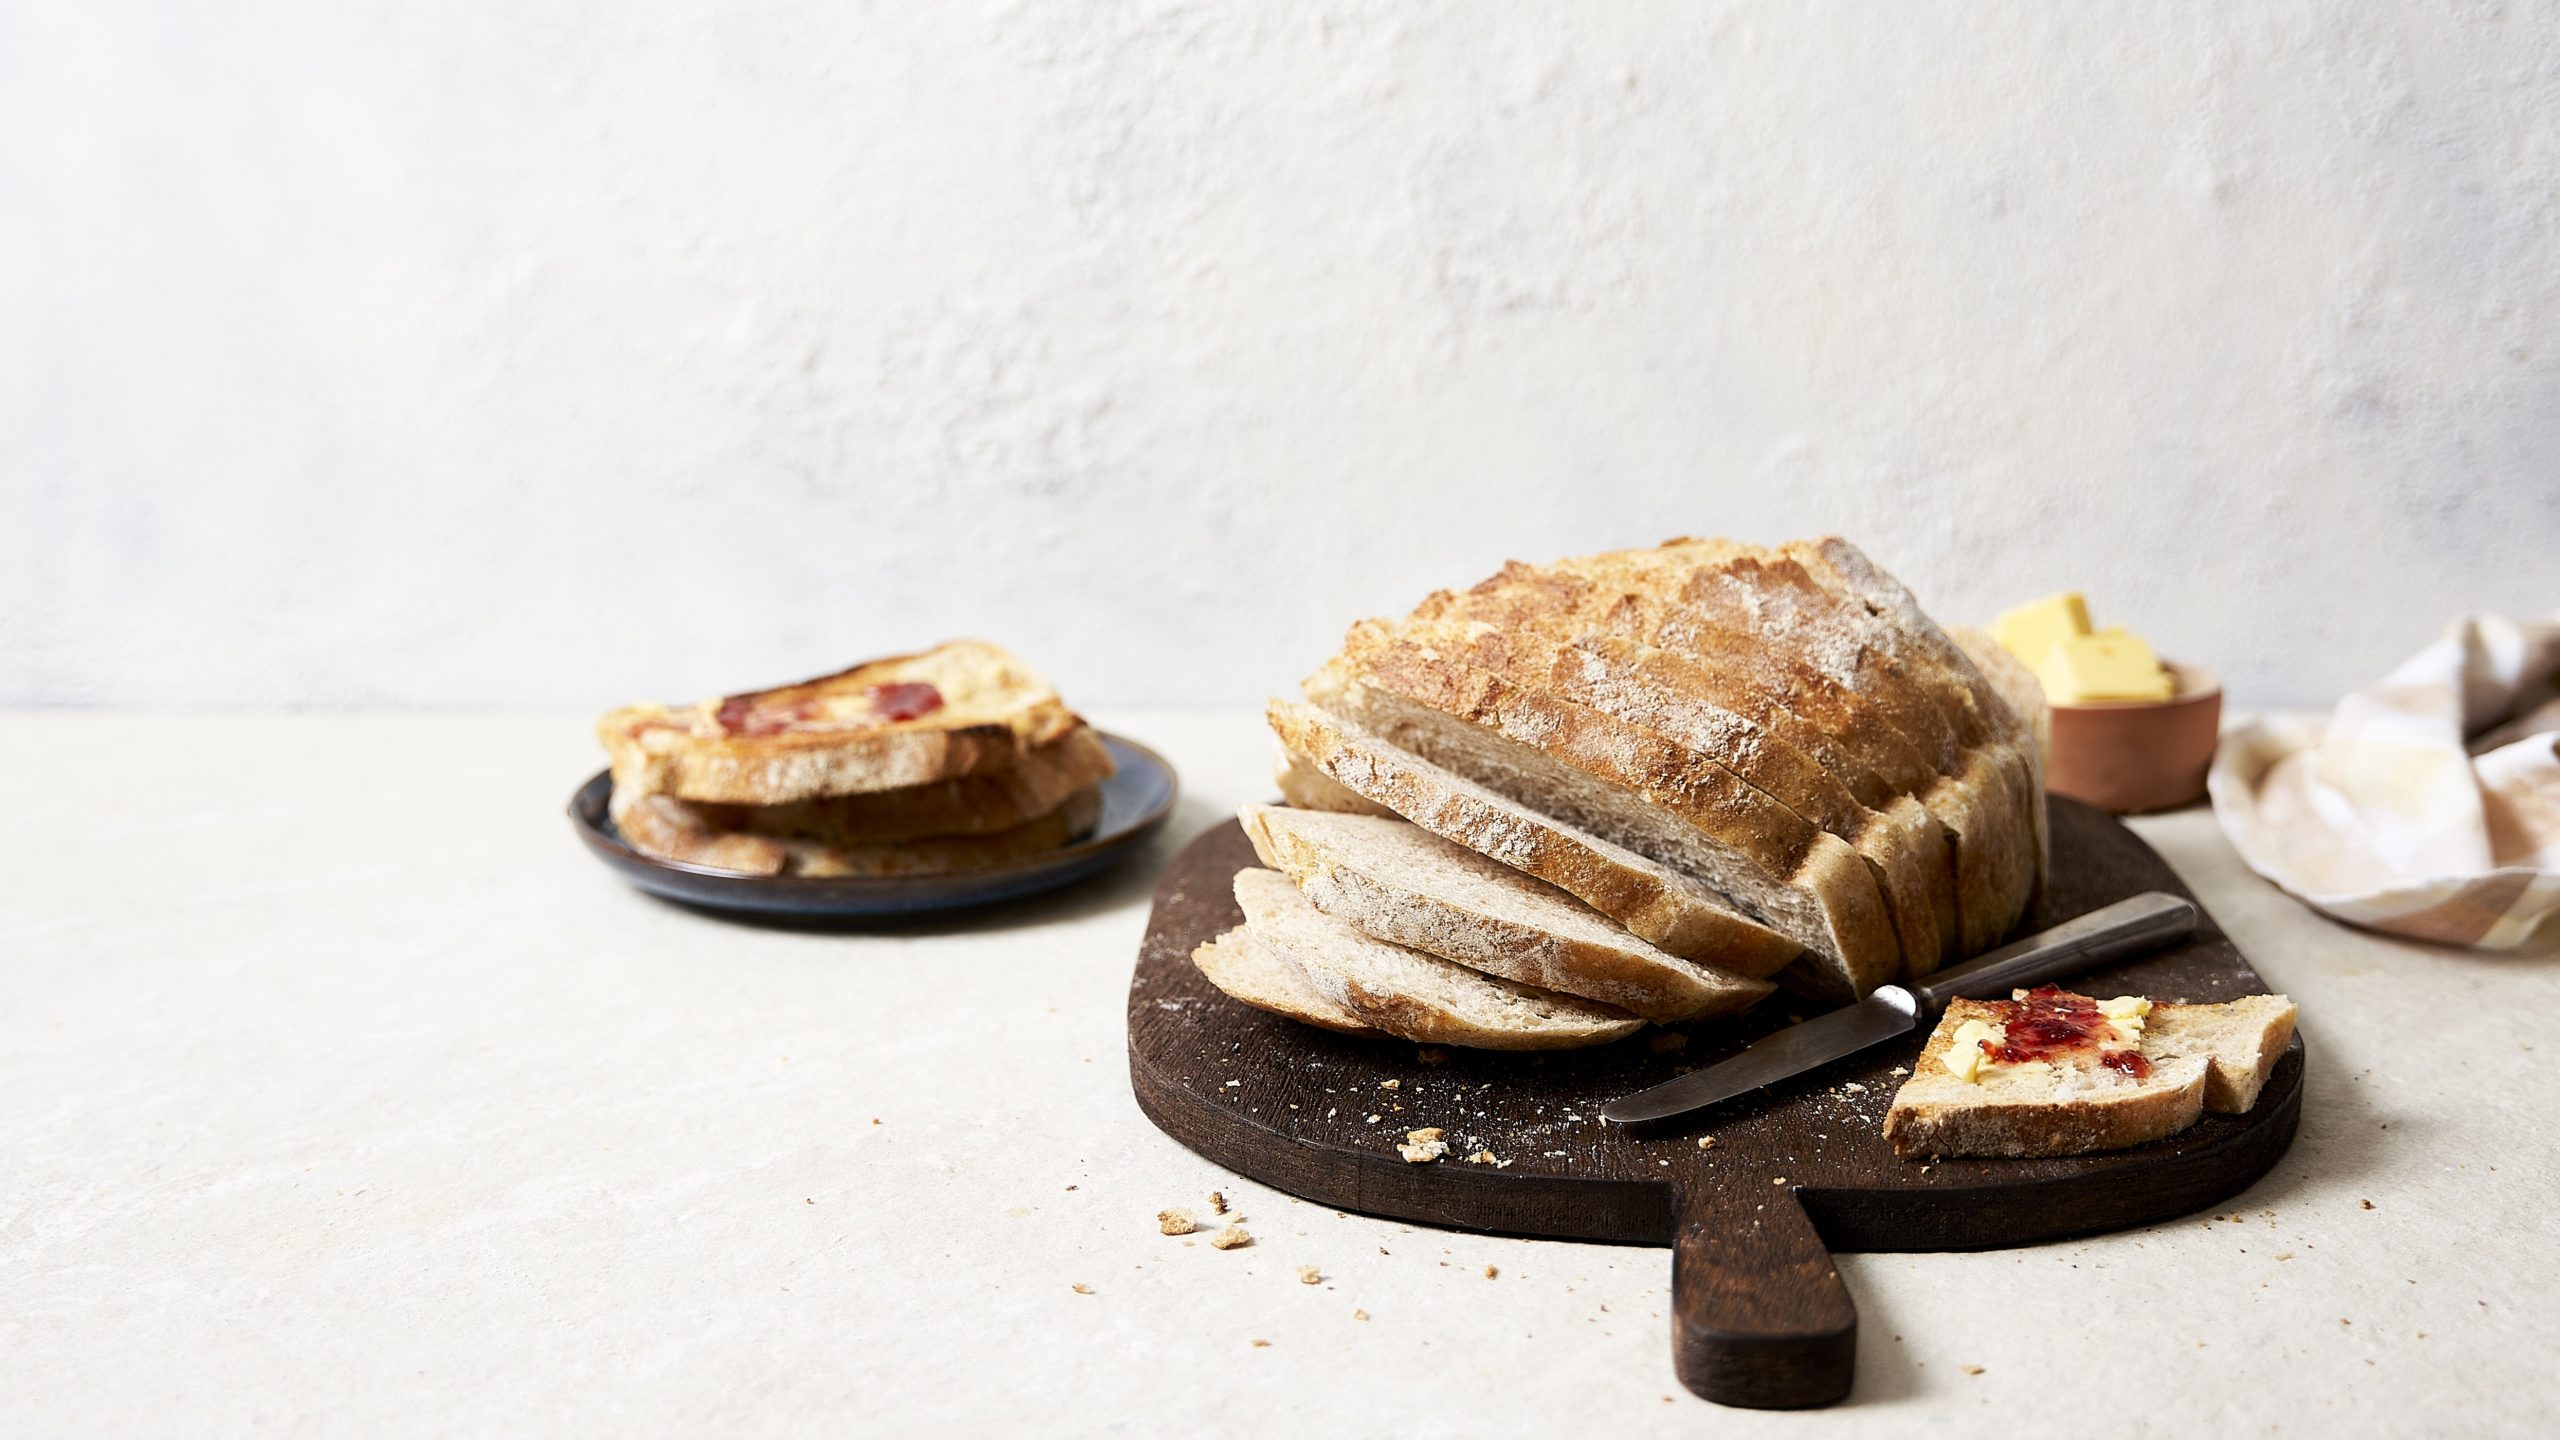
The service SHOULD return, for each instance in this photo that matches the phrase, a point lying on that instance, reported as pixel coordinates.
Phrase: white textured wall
(566, 352)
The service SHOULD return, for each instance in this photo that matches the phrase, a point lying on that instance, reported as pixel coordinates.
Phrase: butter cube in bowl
(2130, 733)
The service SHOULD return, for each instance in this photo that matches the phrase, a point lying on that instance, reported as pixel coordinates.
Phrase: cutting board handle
(1759, 1315)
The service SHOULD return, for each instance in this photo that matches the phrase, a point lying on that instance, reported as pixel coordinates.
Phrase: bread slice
(678, 830)
(1400, 883)
(2240, 1040)
(979, 804)
(1308, 788)
(1627, 785)
(1673, 910)
(961, 708)
(1268, 979)
(1409, 994)
(1545, 638)
(2199, 1057)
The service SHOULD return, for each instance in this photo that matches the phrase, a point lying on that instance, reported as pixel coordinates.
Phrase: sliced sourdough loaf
(2197, 1057)
(1268, 979)
(2024, 693)
(1916, 642)
(1545, 640)
(1673, 910)
(1411, 995)
(1400, 883)
(1750, 654)
(1629, 785)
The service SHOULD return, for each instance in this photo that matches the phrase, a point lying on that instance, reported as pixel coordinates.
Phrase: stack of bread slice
(1759, 761)
(952, 759)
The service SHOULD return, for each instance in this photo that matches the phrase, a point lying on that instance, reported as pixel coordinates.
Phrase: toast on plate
(962, 708)
(673, 829)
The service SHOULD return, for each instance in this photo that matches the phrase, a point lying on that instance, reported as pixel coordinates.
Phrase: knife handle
(2142, 922)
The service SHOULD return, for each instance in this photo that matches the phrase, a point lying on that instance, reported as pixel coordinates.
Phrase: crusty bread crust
(1758, 675)
(1402, 884)
(1916, 642)
(1844, 653)
(2216, 1056)
(1267, 979)
(1670, 909)
(828, 737)
(673, 829)
(1629, 785)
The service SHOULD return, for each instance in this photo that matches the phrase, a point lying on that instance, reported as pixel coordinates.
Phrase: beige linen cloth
(2429, 805)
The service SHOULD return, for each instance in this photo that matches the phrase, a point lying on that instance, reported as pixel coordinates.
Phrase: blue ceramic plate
(1134, 802)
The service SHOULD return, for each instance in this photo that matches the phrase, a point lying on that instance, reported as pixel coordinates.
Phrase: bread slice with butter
(2052, 1073)
(1400, 883)
(1411, 995)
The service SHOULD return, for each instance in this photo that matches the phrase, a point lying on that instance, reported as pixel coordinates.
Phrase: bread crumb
(1175, 1222)
(1081, 1289)
(1431, 1055)
(1490, 1272)
(1374, 1119)
(1261, 1344)
(1854, 1088)
(1421, 1147)
(875, 1119)
(1230, 1238)
(1390, 1084)
(2366, 1203)
(1781, 1180)
(1359, 1314)
(1973, 1369)
(1706, 1142)
(1668, 1041)
(1310, 1275)
(1217, 1202)
(1486, 1157)
(1901, 1070)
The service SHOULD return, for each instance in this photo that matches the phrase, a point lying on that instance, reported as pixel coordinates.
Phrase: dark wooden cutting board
(1760, 1316)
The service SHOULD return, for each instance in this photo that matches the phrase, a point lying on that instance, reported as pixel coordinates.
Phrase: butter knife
(2143, 922)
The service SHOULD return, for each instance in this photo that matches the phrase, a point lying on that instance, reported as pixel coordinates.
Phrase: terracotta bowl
(2127, 756)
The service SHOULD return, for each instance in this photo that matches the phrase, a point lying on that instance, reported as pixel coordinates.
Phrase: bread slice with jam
(962, 708)
(2050, 1072)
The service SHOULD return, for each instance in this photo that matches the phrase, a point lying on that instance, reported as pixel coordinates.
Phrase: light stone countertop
(341, 1092)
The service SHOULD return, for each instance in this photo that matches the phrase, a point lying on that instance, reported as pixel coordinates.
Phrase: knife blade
(2142, 922)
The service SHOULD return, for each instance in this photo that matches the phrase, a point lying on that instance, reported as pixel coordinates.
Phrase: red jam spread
(884, 704)
(2051, 1022)
(905, 700)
